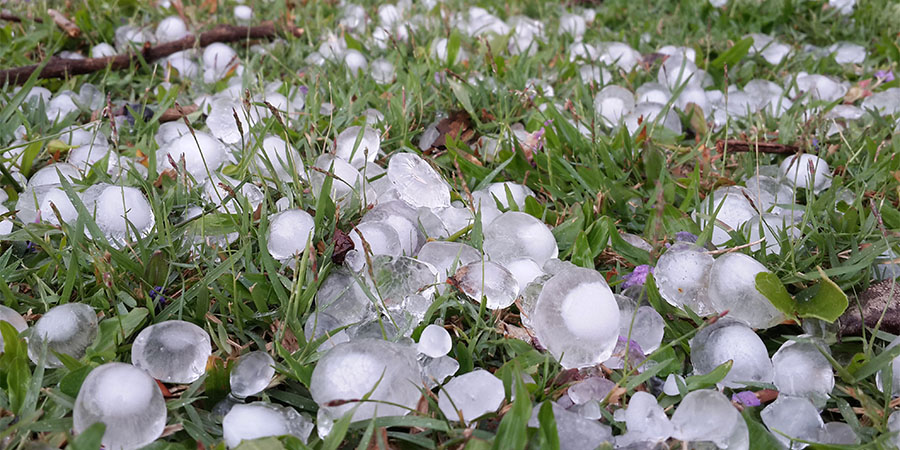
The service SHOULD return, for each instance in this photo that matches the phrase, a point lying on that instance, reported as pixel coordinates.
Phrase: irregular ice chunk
(102, 50)
(514, 235)
(471, 395)
(576, 318)
(352, 370)
(173, 351)
(646, 421)
(807, 171)
(838, 433)
(436, 370)
(251, 374)
(259, 419)
(731, 340)
(435, 341)
(791, 418)
(670, 387)
(67, 329)
(575, 432)
(732, 288)
(416, 182)
(591, 389)
(489, 280)
(396, 278)
(126, 400)
(289, 232)
(342, 296)
(682, 275)
(771, 50)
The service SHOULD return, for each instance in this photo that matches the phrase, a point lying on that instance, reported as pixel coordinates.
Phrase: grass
(588, 187)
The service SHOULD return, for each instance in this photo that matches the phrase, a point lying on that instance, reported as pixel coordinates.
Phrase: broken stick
(736, 145)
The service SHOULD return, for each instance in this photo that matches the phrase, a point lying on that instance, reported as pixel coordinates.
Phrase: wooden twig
(736, 145)
(61, 68)
(9, 16)
(64, 23)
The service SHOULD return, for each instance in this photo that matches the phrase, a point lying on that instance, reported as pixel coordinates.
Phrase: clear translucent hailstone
(352, 370)
(13, 318)
(732, 288)
(283, 158)
(202, 153)
(770, 227)
(102, 50)
(251, 374)
(731, 340)
(707, 415)
(514, 235)
(682, 275)
(126, 400)
(576, 318)
(435, 370)
(793, 418)
(341, 295)
(173, 351)
(497, 192)
(670, 387)
(324, 326)
(807, 171)
(170, 131)
(838, 433)
(61, 106)
(575, 432)
(650, 113)
(358, 155)
(243, 13)
(382, 71)
(802, 371)
(524, 270)
(260, 419)
(886, 102)
(67, 329)
(347, 181)
(85, 156)
(613, 103)
(183, 62)
(447, 257)
(488, 280)
(435, 341)
(471, 395)
(847, 53)
(766, 192)
(376, 238)
(171, 28)
(646, 327)
(895, 372)
(218, 59)
(397, 278)
(646, 421)
(729, 205)
(118, 211)
(416, 182)
(652, 93)
(677, 70)
(591, 389)
(289, 232)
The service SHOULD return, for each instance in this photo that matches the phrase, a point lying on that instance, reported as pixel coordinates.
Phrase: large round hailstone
(170, 131)
(218, 57)
(173, 351)
(119, 210)
(376, 238)
(416, 182)
(66, 329)
(353, 369)
(346, 180)
(289, 232)
(577, 318)
(358, 155)
(613, 103)
(471, 395)
(806, 171)
(730, 206)
(497, 192)
(730, 340)
(126, 400)
(382, 71)
(170, 29)
(707, 415)
(447, 257)
(802, 370)
(259, 419)
(251, 374)
(202, 153)
(283, 157)
(51, 174)
(682, 275)
(488, 280)
(434, 341)
(58, 199)
(789, 418)
(13, 318)
(514, 235)
(732, 288)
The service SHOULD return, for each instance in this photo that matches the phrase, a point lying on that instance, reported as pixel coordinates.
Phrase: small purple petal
(746, 398)
(885, 75)
(684, 236)
(637, 277)
(304, 90)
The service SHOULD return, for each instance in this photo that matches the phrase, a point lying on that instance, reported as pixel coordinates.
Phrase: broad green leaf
(266, 443)
(461, 92)
(733, 55)
(549, 433)
(770, 286)
(581, 252)
(760, 438)
(827, 304)
(513, 431)
(88, 439)
(708, 379)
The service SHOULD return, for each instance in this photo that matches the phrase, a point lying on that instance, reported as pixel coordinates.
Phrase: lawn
(228, 155)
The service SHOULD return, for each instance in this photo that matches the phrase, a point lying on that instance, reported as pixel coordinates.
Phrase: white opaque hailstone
(802, 371)
(183, 62)
(355, 62)
(771, 50)
(682, 276)
(126, 400)
(670, 387)
(218, 57)
(847, 53)
(13, 318)
(103, 50)
(497, 192)
(202, 153)
(416, 182)
(795, 417)
(732, 288)
(251, 374)
(128, 36)
(731, 209)
(470, 396)
(514, 235)
(619, 54)
(230, 195)
(50, 175)
(576, 318)
(434, 341)
(85, 156)
(382, 71)
(173, 351)
(572, 24)
(806, 171)
(6, 225)
(284, 159)
(385, 371)
(61, 106)
(649, 113)
(731, 340)
(56, 198)
(347, 182)
(819, 87)
(646, 421)
(767, 192)
(67, 329)
(119, 211)
(613, 103)
(289, 232)
(677, 70)
(260, 419)
(358, 155)
(243, 13)
(490, 281)
(707, 415)
(838, 433)
(170, 131)
(171, 28)
(524, 270)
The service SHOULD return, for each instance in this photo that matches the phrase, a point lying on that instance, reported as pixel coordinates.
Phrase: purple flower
(746, 398)
(684, 236)
(815, 143)
(886, 76)
(156, 294)
(637, 277)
